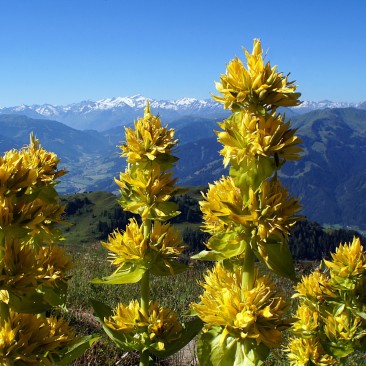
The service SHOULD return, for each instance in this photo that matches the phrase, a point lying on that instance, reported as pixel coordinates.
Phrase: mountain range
(107, 113)
(330, 178)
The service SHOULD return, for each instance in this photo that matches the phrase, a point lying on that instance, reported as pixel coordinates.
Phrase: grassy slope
(84, 221)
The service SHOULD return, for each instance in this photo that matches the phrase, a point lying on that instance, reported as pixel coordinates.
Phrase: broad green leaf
(75, 350)
(39, 300)
(55, 296)
(212, 350)
(223, 246)
(279, 259)
(164, 267)
(131, 273)
(230, 244)
(206, 255)
(29, 303)
(190, 330)
(338, 350)
(216, 349)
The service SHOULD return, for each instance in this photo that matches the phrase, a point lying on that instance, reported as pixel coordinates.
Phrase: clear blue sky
(64, 51)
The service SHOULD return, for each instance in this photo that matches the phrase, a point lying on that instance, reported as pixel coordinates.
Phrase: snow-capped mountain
(308, 106)
(107, 113)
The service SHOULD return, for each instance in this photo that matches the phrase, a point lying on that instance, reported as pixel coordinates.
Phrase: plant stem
(4, 312)
(145, 295)
(248, 268)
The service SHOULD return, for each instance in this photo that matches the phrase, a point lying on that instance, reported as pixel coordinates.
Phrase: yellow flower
(315, 287)
(270, 212)
(43, 162)
(257, 87)
(223, 206)
(275, 212)
(127, 246)
(244, 314)
(24, 267)
(149, 141)
(307, 352)
(33, 340)
(160, 249)
(307, 322)
(147, 191)
(343, 327)
(348, 265)
(160, 327)
(247, 136)
(29, 204)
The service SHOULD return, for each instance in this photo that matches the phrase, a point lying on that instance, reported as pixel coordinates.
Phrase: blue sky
(64, 51)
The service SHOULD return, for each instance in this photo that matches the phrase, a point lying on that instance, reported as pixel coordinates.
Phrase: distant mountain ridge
(330, 178)
(107, 113)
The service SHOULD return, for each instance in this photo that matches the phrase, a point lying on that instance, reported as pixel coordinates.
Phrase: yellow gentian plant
(331, 315)
(249, 215)
(33, 268)
(148, 245)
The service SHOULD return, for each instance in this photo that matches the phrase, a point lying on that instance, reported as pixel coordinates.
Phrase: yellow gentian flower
(257, 86)
(257, 313)
(160, 327)
(307, 352)
(247, 136)
(32, 339)
(149, 141)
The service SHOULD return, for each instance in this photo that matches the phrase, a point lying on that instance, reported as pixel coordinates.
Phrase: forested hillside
(94, 215)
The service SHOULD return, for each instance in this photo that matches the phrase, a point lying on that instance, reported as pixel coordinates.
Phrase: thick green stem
(4, 308)
(4, 312)
(248, 268)
(145, 295)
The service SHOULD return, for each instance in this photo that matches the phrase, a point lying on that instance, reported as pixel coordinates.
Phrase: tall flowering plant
(248, 214)
(330, 320)
(148, 246)
(33, 268)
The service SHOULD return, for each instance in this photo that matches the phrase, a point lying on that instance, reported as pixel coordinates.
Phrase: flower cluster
(258, 86)
(158, 252)
(148, 246)
(29, 205)
(330, 322)
(25, 268)
(257, 313)
(247, 137)
(33, 268)
(249, 215)
(148, 141)
(154, 330)
(27, 339)
(258, 218)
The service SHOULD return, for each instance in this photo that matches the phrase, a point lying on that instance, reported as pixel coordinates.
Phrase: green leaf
(213, 351)
(338, 350)
(165, 267)
(29, 303)
(55, 296)
(40, 299)
(230, 244)
(279, 259)
(190, 330)
(129, 273)
(224, 245)
(208, 256)
(75, 350)
(216, 349)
